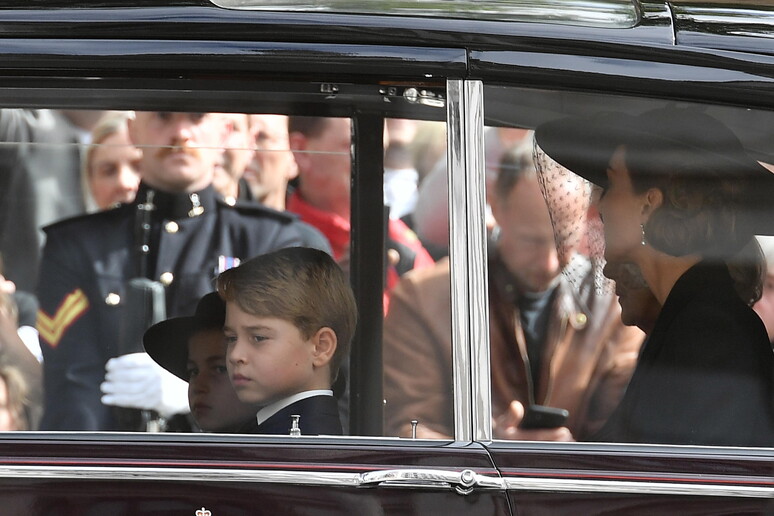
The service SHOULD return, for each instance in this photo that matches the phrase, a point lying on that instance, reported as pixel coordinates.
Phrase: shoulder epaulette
(98, 215)
(256, 208)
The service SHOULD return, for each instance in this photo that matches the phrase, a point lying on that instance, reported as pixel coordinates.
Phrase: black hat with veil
(582, 146)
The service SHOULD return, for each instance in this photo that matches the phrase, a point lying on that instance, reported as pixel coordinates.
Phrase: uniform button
(171, 227)
(166, 278)
(112, 299)
(230, 201)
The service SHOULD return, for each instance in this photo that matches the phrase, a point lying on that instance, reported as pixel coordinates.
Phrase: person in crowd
(192, 348)
(680, 197)
(290, 318)
(400, 174)
(20, 358)
(40, 183)
(237, 153)
(110, 164)
(321, 147)
(256, 167)
(555, 340)
(13, 399)
(177, 232)
(272, 166)
(765, 306)
(430, 218)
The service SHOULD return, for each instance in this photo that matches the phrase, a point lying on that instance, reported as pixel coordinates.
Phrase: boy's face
(214, 404)
(268, 358)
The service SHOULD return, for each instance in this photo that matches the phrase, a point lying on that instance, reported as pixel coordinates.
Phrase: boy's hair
(301, 285)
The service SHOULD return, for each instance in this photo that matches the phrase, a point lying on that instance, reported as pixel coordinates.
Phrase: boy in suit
(290, 317)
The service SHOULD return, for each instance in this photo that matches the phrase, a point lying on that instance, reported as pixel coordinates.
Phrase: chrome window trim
(364, 480)
(630, 487)
(468, 264)
(274, 476)
(592, 13)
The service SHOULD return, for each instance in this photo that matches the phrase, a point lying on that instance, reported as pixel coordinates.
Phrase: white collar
(269, 410)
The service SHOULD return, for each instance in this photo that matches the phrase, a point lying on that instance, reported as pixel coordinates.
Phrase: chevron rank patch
(52, 327)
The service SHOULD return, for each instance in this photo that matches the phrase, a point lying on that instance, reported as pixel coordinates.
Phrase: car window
(596, 188)
(74, 298)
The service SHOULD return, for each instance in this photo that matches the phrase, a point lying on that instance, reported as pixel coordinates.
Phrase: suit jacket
(88, 260)
(705, 375)
(319, 416)
(585, 367)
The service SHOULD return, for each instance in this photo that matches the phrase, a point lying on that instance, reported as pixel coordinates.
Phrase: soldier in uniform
(177, 231)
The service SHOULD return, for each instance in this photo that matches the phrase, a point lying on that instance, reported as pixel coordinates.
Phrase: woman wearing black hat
(680, 197)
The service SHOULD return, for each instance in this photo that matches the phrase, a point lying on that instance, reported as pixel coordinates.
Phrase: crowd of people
(242, 222)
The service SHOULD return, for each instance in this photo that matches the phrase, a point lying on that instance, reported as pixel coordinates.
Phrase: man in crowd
(321, 147)
(272, 166)
(555, 340)
(237, 153)
(177, 232)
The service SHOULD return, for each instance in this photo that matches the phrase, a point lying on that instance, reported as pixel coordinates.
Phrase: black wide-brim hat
(167, 342)
(585, 145)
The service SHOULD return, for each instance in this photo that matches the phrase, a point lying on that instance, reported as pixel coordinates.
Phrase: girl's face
(621, 210)
(214, 404)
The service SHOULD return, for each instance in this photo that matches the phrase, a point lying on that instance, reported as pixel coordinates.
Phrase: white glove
(136, 381)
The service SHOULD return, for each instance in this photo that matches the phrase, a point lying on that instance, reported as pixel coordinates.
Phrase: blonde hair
(110, 123)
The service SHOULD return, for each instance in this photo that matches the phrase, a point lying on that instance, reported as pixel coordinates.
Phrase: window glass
(177, 198)
(682, 189)
(417, 329)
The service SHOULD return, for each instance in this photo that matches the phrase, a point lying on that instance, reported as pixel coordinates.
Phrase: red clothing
(337, 230)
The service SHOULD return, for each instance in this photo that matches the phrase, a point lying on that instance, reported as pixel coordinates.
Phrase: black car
(467, 67)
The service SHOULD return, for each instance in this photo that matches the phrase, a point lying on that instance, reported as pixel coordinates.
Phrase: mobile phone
(539, 416)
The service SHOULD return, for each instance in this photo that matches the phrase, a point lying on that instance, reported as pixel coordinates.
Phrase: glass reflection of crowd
(558, 340)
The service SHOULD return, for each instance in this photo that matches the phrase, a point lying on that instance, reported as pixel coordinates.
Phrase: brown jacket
(587, 362)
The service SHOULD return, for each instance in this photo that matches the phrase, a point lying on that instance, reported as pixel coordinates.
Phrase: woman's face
(621, 211)
(113, 172)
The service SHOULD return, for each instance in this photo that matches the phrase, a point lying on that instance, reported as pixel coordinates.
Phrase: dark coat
(87, 261)
(705, 373)
(319, 416)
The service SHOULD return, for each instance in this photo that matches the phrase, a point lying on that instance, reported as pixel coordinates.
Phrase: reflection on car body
(513, 67)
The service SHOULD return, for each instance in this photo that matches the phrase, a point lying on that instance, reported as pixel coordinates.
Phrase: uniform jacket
(705, 373)
(87, 261)
(588, 354)
(319, 416)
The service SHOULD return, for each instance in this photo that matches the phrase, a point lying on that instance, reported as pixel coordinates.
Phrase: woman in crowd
(110, 164)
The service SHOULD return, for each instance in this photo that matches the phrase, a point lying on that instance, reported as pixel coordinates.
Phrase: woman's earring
(642, 229)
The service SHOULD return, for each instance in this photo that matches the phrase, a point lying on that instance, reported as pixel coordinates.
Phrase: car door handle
(463, 482)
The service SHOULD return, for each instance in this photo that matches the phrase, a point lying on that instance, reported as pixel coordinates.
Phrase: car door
(195, 70)
(535, 87)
